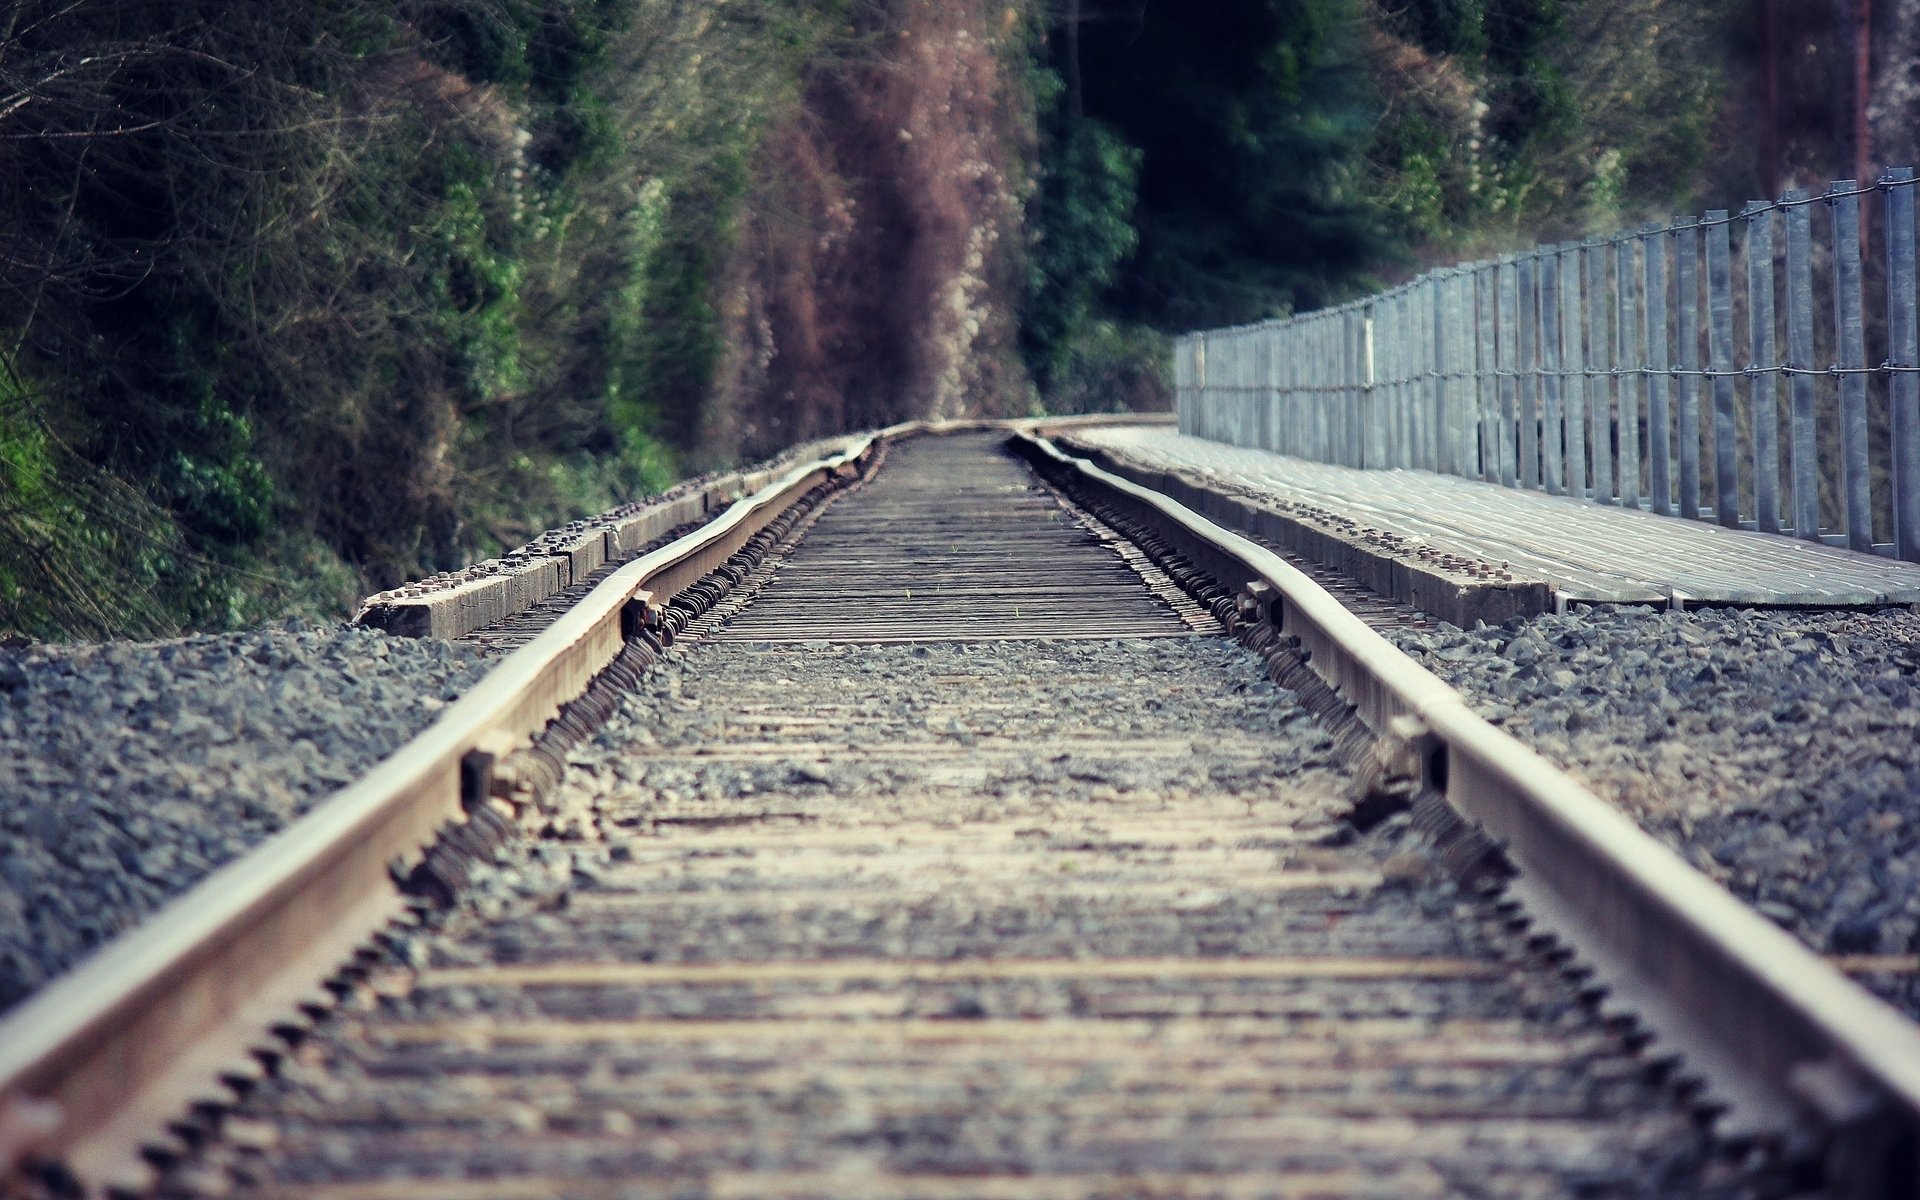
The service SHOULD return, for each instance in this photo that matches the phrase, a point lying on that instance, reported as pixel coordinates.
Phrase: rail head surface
(1783, 1039)
(1788, 1034)
(97, 1060)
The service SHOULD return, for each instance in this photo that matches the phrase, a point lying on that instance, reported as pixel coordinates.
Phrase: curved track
(950, 856)
(942, 875)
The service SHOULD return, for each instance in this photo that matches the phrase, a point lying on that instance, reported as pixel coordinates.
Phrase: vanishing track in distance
(960, 861)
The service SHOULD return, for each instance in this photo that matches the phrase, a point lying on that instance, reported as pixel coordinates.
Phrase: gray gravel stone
(1778, 751)
(128, 772)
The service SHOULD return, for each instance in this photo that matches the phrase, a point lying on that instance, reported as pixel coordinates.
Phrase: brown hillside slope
(876, 274)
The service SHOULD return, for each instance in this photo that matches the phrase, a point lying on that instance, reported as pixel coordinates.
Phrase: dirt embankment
(880, 262)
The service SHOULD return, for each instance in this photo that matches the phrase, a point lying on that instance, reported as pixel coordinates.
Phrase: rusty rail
(102, 1058)
(96, 1063)
(1789, 1044)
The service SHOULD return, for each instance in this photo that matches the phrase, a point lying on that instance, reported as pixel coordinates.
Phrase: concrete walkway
(1583, 552)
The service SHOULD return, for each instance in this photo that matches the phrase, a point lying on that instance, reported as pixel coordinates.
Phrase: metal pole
(1573, 361)
(1850, 342)
(1628, 317)
(1804, 449)
(1369, 419)
(1276, 376)
(1726, 442)
(1431, 388)
(1763, 385)
(1200, 386)
(1357, 318)
(1486, 382)
(1288, 400)
(1437, 288)
(1323, 391)
(1600, 394)
(1528, 379)
(1659, 419)
(1552, 431)
(1507, 353)
(1686, 328)
(1903, 355)
(1461, 410)
(1402, 452)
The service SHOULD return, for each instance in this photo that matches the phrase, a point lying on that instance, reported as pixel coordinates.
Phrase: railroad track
(923, 838)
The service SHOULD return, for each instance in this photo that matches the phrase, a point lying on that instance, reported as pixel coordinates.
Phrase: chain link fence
(1726, 368)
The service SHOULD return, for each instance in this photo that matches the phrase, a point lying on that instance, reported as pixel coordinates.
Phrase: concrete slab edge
(486, 593)
(1449, 597)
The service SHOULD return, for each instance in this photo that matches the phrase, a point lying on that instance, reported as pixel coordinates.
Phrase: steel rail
(1785, 1042)
(95, 1065)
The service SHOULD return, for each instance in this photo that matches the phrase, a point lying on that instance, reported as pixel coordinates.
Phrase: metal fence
(1643, 369)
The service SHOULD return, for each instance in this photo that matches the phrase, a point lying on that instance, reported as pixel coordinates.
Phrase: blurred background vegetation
(1256, 159)
(302, 300)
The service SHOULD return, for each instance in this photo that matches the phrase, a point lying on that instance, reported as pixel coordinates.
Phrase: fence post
(1357, 319)
(1276, 377)
(1180, 383)
(1486, 381)
(1338, 364)
(1249, 413)
(1726, 443)
(1627, 317)
(1286, 404)
(1413, 378)
(1552, 433)
(1292, 362)
(1804, 448)
(1659, 416)
(1460, 410)
(1573, 362)
(1432, 388)
(1271, 335)
(1763, 387)
(1600, 395)
(1507, 352)
(1200, 385)
(1433, 323)
(1686, 334)
(1369, 399)
(1332, 395)
(1230, 368)
(1304, 375)
(1266, 383)
(1250, 370)
(1903, 356)
(1325, 396)
(1528, 379)
(1235, 387)
(1850, 344)
(1402, 454)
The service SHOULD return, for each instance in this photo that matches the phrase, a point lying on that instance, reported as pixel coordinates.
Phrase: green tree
(1252, 118)
(1083, 230)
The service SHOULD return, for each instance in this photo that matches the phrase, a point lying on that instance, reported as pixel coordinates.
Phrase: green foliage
(477, 281)
(674, 341)
(1082, 230)
(1511, 121)
(80, 552)
(1291, 153)
(1452, 26)
(1113, 367)
(362, 290)
(1251, 119)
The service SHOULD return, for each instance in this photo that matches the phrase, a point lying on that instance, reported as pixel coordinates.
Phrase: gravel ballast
(129, 771)
(852, 914)
(1776, 751)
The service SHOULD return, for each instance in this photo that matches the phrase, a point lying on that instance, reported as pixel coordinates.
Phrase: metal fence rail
(1642, 369)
